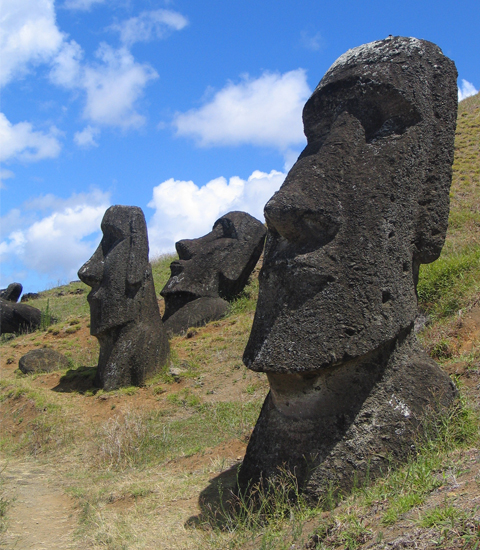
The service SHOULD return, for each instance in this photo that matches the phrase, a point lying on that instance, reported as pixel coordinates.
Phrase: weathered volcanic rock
(124, 314)
(365, 204)
(30, 296)
(18, 317)
(211, 270)
(42, 360)
(12, 292)
(196, 313)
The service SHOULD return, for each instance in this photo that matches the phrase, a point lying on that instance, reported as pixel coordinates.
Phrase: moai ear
(433, 197)
(138, 256)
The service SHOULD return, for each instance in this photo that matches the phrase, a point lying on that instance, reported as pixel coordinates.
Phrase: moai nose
(290, 215)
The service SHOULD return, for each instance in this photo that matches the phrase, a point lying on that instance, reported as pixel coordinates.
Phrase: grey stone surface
(365, 204)
(196, 313)
(18, 317)
(215, 266)
(42, 360)
(124, 314)
(12, 292)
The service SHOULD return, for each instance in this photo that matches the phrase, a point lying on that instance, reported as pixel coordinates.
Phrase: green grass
(161, 270)
(58, 304)
(447, 285)
(140, 439)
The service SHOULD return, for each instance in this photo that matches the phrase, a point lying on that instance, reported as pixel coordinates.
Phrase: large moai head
(124, 313)
(211, 270)
(365, 204)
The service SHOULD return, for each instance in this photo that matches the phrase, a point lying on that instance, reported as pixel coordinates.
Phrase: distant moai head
(365, 204)
(216, 265)
(116, 270)
(124, 313)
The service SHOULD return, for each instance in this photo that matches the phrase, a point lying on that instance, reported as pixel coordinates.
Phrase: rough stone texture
(42, 360)
(30, 296)
(12, 292)
(124, 314)
(18, 317)
(365, 204)
(195, 314)
(215, 266)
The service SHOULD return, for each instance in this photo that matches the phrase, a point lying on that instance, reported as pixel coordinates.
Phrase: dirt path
(40, 515)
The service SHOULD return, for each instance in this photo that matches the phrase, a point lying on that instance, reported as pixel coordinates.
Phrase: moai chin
(365, 204)
(124, 314)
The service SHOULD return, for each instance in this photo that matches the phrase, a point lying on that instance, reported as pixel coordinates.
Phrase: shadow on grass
(216, 501)
(77, 380)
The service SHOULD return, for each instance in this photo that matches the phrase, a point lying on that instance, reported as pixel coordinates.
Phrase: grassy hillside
(151, 468)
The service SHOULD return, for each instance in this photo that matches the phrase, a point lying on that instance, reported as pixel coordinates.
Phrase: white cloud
(57, 243)
(66, 68)
(114, 86)
(266, 111)
(86, 138)
(310, 41)
(150, 25)
(20, 141)
(81, 5)
(5, 175)
(467, 89)
(184, 210)
(28, 35)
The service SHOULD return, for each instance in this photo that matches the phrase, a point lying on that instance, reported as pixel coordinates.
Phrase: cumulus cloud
(150, 25)
(185, 210)
(20, 141)
(266, 111)
(86, 138)
(113, 87)
(113, 84)
(81, 5)
(66, 66)
(55, 239)
(28, 36)
(467, 89)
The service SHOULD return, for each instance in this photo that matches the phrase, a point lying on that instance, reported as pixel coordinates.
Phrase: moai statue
(211, 270)
(12, 292)
(124, 314)
(365, 204)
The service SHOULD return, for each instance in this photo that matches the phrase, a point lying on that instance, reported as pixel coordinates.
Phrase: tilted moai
(124, 314)
(211, 270)
(365, 204)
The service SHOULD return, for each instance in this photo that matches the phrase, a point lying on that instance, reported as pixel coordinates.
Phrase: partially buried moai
(365, 204)
(211, 270)
(124, 314)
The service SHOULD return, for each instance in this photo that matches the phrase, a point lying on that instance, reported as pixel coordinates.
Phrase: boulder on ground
(42, 360)
(30, 296)
(12, 292)
(18, 317)
(365, 204)
(211, 270)
(124, 314)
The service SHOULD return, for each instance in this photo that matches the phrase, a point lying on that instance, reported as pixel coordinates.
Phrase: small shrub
(46, 317)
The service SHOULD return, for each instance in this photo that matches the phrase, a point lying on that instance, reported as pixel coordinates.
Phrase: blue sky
(187, 109)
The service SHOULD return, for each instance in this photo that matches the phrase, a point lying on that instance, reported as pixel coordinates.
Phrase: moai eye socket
(381, 109)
